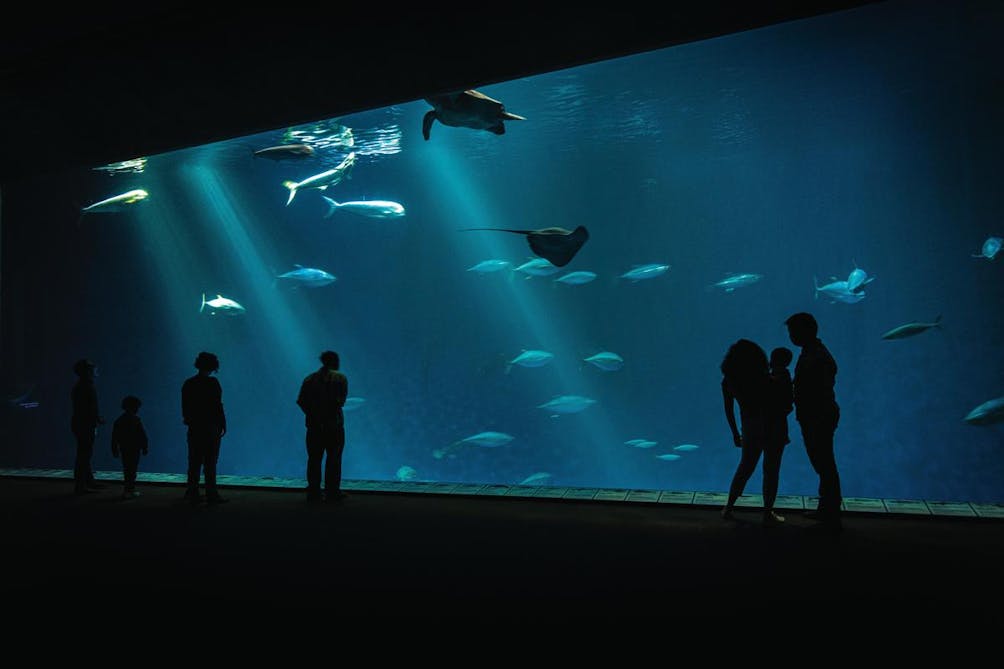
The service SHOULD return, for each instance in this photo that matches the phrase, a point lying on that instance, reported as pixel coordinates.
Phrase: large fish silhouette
(557, 245)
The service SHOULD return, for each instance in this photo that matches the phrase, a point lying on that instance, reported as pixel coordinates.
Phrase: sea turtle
(467, 109)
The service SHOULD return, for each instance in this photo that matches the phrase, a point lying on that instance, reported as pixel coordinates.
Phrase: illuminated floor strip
(716, 499)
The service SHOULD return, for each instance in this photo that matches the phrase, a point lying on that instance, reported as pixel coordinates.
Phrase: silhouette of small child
(129, 439)
(781, 396)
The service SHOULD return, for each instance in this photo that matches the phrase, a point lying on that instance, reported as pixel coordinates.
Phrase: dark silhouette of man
(202, 408)
(128, 441)
(321, 398)
(84, 424)
(817, 412)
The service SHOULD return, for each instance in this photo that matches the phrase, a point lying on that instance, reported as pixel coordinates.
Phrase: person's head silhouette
(131, 404)
(802, 328)
(84, 368)
(330, 360)
(744, 363)
(207, 363)
(780, 357)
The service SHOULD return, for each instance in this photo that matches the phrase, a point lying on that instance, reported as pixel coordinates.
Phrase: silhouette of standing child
(129, 440)
(779, 405)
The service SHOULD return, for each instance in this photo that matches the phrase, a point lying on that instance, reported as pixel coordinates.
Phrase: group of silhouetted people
(763, 388)
(321, 398)
(766, 394)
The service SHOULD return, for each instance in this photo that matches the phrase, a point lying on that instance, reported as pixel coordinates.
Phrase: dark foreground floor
(420, 555)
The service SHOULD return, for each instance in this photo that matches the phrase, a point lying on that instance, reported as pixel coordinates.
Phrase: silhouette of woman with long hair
(745, 380)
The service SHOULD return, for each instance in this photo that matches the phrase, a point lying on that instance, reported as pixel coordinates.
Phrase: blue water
(867, 137)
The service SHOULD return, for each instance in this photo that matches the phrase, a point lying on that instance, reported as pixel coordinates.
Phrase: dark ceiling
(90, 85)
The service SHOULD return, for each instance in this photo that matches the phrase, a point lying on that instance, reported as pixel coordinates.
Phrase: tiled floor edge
(705, 499)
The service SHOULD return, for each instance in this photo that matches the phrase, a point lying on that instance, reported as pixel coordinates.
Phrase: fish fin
(427, 121)
(291, 185)
(509, 116)
(203, 303)
(332, 205)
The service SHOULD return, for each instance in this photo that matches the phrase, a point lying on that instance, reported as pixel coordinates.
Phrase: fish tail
(203, 303)
(508, 368)
(332, 205)
(291, 185)
(937, 321)
(815, 283)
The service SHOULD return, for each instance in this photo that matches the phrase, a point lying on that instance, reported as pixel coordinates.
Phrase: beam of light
(469, 202)
(227, 219)
(166, 241)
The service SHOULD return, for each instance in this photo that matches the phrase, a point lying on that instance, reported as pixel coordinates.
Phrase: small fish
(857, 279)
(22, 397)
(535, 479)
(641, 443)
(220, 304)
(353, 403)
(285, 152)
(991, 411)
(838, 291)
(384, 209)
(650, 271)
(406, 473)
(607, 361)
(321, 181)
(576, 278)
(531, 359)
(131, 166)
(488, 266)
(668, 456)
(990, 248)
(733, 281)
(686, 448)
(116, 203)
(911, 329)
(308, 276)
(483, 439)
(537, 267)
(567, 404)
(488, 439)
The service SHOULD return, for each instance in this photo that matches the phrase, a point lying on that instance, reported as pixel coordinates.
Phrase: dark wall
(89, 85)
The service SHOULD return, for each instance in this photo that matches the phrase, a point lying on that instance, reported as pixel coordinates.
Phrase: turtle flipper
(430, 116)
(498, 129)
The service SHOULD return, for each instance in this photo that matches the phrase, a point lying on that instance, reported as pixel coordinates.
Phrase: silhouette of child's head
(131, 404)
(780, 357)
(330, 359)
(207, 362)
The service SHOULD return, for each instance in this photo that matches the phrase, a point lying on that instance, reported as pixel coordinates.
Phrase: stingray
(557, 245)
